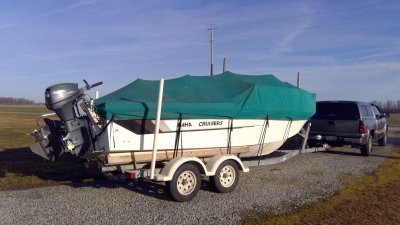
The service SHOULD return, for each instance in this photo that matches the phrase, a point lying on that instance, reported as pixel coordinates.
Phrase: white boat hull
(198, 134)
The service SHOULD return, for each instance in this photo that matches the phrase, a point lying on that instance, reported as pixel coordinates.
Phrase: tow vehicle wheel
(226, 177)
(367, 148)
(383, 140)
(185, 183)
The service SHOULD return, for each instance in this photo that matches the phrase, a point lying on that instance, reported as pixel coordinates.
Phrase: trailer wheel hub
(186, 182)
(227, 176)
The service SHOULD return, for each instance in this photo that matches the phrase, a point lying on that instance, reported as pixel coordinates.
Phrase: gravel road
(301, 180)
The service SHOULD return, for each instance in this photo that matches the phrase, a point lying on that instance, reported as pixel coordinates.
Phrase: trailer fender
(214, 162)
(169, 169)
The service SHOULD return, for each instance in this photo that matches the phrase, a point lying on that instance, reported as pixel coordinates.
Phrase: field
(19, 168)
(16, 122)
(372, 199)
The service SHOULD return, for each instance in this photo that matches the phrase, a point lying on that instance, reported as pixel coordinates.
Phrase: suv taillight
(361, 128)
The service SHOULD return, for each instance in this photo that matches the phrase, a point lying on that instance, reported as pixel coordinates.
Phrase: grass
(31, 109)
(19, 167)
(394, 120)
(14, 129)
(16, 122)
(372, 199)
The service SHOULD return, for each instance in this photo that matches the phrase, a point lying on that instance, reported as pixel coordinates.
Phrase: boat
(200, 116)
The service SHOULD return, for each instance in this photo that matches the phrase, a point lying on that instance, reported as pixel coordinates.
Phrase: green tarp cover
(226, 95)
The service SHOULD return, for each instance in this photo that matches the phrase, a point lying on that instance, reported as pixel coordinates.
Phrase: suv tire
(383, 140)
(367, 148)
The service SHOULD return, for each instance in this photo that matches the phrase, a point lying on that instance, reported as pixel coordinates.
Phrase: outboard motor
(72, 132)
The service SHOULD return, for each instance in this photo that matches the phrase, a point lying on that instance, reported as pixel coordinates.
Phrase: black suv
(339, 123)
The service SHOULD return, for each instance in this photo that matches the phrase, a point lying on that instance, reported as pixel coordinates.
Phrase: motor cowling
(61, 98)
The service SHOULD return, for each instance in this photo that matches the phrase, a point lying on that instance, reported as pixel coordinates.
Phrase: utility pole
(212, 48)
(224, 66)
(298, 79)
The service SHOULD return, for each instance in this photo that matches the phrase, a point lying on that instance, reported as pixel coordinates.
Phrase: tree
(389, 106)
(15, 101)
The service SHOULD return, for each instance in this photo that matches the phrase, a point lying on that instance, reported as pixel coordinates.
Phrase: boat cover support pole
(178, 136)
(156, 131)
(230, 128)
(287, 131)
(261, 140)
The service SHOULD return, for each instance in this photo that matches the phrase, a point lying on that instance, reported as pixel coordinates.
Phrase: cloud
(381, 53)
(284, 45)
(360, 81)
(79, 4)
(6, 25)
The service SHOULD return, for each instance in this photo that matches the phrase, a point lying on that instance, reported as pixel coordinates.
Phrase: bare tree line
(389, 106)
(15, 101)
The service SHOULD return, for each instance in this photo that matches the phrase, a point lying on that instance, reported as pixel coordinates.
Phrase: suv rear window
(366, 110)
(336, 111)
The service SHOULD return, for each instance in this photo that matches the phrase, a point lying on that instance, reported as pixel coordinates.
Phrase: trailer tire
(185, 183)
(226, 177)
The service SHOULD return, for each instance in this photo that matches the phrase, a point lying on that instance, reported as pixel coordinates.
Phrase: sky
(344, 50)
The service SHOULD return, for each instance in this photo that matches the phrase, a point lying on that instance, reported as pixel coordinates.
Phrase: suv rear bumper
(335, 140)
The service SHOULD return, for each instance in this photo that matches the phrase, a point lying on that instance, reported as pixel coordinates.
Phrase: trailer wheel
(185, 183)
(226, 177)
